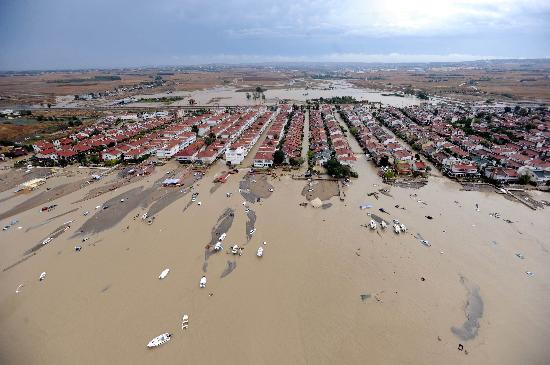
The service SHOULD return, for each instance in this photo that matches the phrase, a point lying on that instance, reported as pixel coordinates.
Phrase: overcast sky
(53, 34)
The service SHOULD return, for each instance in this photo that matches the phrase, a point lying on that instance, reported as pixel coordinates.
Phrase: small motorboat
(403, 227)
(235, 249)
(383, 224)
(47, 240)
(260, 252)
(425, 243)
(222, 237)
(199, 203)
(396, 228)
(218, 246)
(159, 340)
(202, 282)
(164, 273)
(396, 221)
(42, 276)
(372, 224)
(252, 231)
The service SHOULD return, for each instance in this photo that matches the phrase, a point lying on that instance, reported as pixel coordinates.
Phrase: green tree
(524, 179)
(278, 157)
(389, 174)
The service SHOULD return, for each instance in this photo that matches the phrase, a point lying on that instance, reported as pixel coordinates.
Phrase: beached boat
(260, 252)
(403, 227)
(396, 228)
(372, 224)
(164, 273)
(159, 340)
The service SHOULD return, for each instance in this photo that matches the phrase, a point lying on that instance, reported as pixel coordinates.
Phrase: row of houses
(339, 142)
(264, 155)
(292, 143)
(239, 149)
(381, 146)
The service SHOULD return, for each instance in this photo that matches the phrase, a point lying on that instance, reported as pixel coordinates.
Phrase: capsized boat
(164, 273)
(159, 340)
(260, 252)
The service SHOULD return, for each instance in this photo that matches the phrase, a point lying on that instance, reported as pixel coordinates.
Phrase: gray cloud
(101, 33)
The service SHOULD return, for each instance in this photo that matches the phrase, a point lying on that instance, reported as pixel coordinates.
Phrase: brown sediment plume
(473, 311)
(255, 187)
(50, 219)
(113, 211)
(56, 233)
(322, 189)
(250, 223)
(44, 197)
(231, 265)
(224, 223)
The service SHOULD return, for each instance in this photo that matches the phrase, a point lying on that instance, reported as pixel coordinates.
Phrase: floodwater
(326, 291)
(223, 96)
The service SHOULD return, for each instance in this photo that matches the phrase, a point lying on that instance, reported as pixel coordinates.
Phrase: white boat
(260, 252)
(47, 240)
(403, 227)
(396, 228)
(164, 273)
(202, 282)
(159, 340)
(185, 321)
(218, 246)
(383, 224)
(222, 237)
(235, 249)
(396, 221)
(199, 203)
(252, 231)
(372, 224)
(42, 276)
